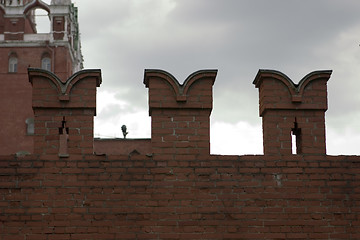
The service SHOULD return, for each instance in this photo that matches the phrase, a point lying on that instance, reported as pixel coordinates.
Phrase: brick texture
(214, 197)
(287, 108)
(64, 108)
(21, 41)
(173, 188)
(180, 113)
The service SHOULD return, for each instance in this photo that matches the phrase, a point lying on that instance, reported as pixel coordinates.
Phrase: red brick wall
(59, 27)
(209, 197)
(180, 113)
(120, 146)
(64, 109)
(288, 108)
(15, 90)
(167, 193)
(16, 93)
(14, 28)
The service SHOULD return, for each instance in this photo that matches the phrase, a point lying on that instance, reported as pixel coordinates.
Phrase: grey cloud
(236, 37)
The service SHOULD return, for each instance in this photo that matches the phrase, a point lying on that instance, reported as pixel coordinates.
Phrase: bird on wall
(124, 130)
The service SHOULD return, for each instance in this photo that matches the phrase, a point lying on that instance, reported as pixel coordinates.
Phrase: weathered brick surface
(175, 189)
(18, 29)
(286, 107)
(180, 113)
(16, 95)
(120, 146)
(64, 107)
(213, 197)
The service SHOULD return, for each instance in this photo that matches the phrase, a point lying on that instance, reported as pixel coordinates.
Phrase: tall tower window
(46, 63)
(13, 64)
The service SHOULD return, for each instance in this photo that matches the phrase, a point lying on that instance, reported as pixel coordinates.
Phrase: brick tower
(289, 109)
(21, 47)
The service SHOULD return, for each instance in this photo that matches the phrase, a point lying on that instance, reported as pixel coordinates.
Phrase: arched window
(13, 63)
(42, 21)
(46, 63)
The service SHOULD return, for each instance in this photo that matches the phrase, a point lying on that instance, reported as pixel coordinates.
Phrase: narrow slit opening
(293, 144)
(296, 139)
(63, 129)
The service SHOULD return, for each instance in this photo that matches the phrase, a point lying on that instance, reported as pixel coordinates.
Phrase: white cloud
(235, 139)
(112, 113)
(343, 143)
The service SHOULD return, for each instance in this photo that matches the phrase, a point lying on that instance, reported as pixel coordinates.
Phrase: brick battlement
(64, 112)
(278, 91)
(293, 109)
(180, 114)
(176, 189)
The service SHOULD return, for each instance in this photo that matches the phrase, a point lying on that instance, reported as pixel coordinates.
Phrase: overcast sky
(237, 37)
